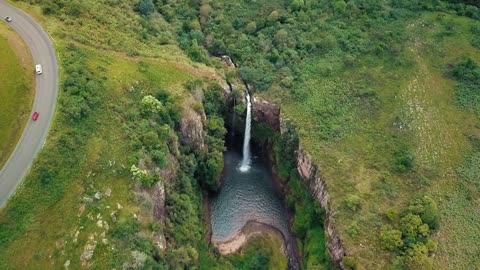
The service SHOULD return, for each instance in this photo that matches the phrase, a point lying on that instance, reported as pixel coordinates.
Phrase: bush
(391, 238)
(427, 209)
(349, 262)
(353, 202)
(404, 161)
(126, 229)
(467, 73)
(146, 7)
(416, 258)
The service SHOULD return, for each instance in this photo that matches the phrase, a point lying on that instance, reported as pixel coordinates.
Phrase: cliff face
(266, 112)
(191, 128)
(311, 175)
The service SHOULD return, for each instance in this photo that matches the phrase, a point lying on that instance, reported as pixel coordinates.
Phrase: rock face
(311, 175)
(191, 127)
(269, 113)
(159, 201)
(266, 112)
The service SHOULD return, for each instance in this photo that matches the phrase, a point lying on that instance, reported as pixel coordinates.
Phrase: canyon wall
(266, 112)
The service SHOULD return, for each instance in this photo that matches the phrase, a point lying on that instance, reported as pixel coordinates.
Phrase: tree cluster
(410, 238)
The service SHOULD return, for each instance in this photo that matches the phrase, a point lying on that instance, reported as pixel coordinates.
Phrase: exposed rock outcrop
(266, 112)
(159, 201)
(191, 128)
(270, 113)
(311, 175)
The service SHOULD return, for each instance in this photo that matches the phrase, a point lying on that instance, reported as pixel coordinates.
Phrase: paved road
(46, 88)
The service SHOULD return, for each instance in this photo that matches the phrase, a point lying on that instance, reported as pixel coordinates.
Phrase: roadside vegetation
(16, 91)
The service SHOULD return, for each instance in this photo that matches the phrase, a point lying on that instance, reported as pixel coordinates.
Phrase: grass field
(16, 90)
(31, 235)
(417, 96)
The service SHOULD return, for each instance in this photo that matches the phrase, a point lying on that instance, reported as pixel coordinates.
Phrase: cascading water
(246, 161)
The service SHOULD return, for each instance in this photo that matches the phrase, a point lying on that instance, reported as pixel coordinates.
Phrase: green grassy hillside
(16, 92)
(123, 91)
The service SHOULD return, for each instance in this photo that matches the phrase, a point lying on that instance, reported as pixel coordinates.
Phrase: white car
(8, 19)
(38, 69)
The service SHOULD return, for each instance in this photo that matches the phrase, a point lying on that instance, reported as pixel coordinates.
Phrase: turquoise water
(246, 196)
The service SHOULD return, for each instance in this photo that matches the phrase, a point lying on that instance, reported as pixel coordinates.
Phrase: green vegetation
(467, 72)
(366, 87)
(383, 95)
(412, 240)
(261, 253)
(308, 219)
(16, 92)
(211, 166)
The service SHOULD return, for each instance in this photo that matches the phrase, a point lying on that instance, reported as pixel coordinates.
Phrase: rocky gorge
(269, 113)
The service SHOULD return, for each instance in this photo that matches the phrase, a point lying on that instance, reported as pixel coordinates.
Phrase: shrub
(427, 209)
(404, 161)
(151, 105)
(126, 229)
(353, 202)
(143, 176)
(413, 228)
(391, 238)
(392, 214)
(416, 258)
(146, 7)
(251, 27)
(349, 262)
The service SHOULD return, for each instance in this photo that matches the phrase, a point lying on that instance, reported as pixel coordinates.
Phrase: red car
(35, 116)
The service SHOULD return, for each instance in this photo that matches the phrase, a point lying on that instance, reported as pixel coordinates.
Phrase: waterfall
(245, 165)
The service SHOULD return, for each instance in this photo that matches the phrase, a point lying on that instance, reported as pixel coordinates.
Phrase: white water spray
(246, 161)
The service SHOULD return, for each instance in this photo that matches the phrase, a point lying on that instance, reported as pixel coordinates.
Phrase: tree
(251, 27)
(281, 36)
(413, 228)
(391, 238)
(146, 7)
(296, 4)
(274, 16)
(427, 209)
(416, 258)
(205, 13)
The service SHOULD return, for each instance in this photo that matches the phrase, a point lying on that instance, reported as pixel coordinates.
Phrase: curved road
(46, 89)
